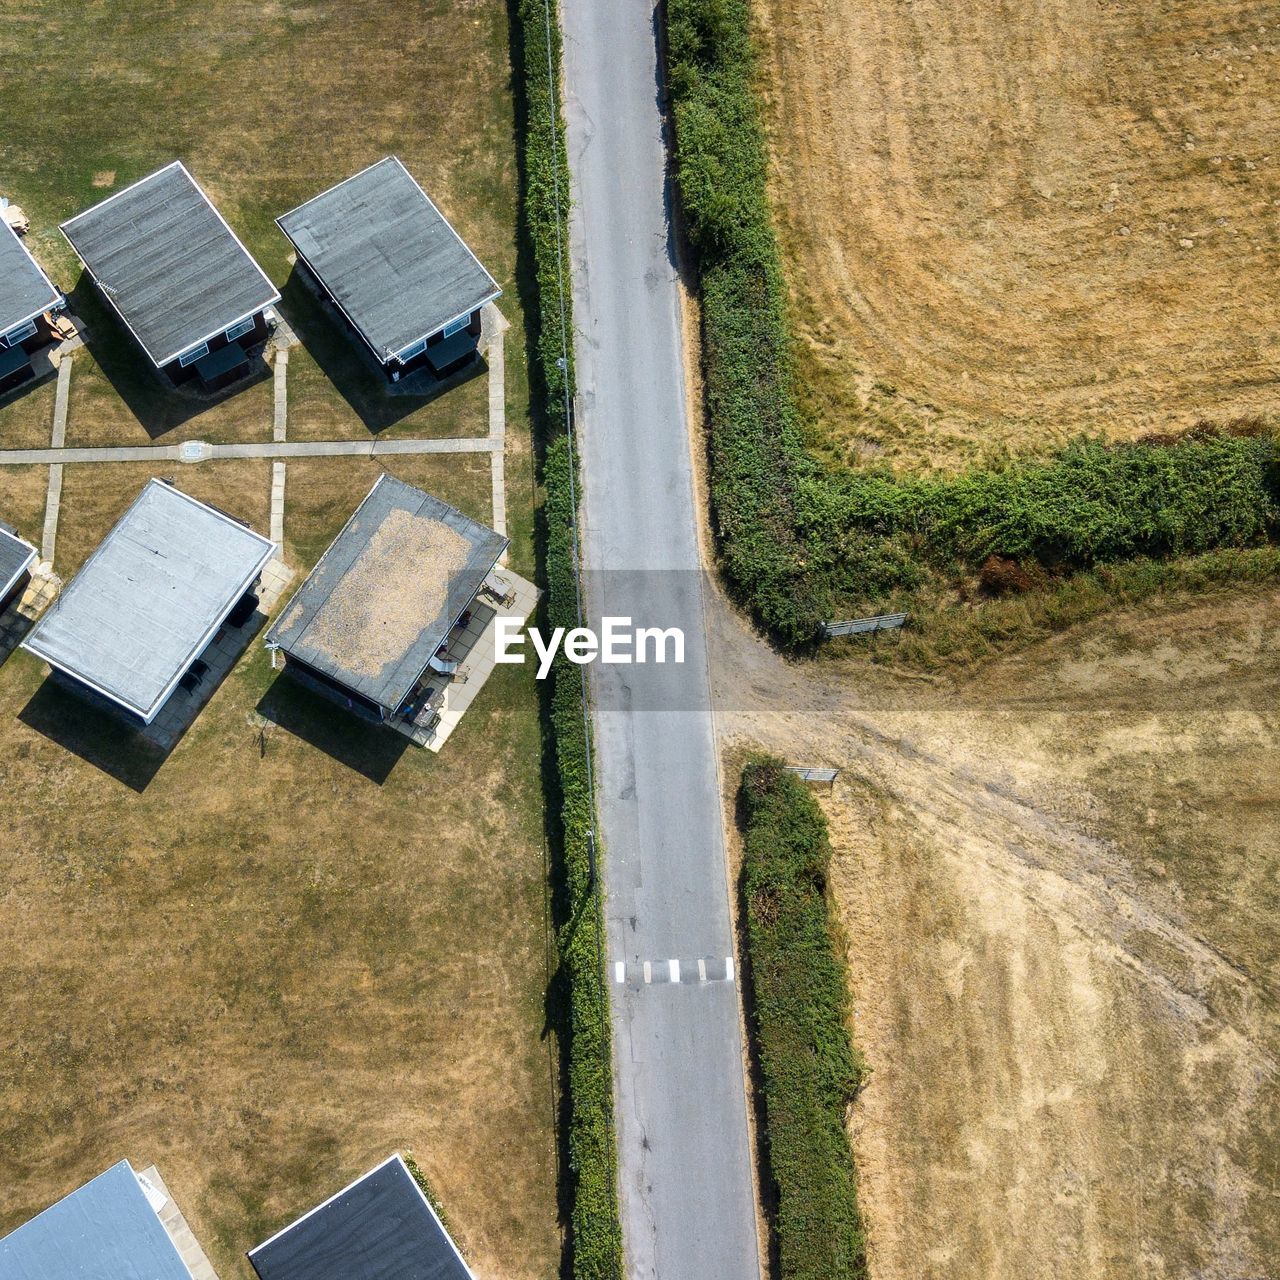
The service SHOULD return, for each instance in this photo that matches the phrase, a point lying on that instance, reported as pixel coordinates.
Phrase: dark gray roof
(381, 1227)
(168, 262)
(15, 556)
(381, 601)
(106, 1230)
(150, 598)
(25, 290)
(392, 262)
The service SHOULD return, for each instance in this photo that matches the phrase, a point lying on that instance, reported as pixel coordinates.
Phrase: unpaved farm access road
(1058, 880)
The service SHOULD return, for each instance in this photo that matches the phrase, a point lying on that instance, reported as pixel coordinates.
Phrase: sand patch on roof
(390, 594)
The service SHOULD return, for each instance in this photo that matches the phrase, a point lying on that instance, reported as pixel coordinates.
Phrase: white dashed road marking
(674, 970)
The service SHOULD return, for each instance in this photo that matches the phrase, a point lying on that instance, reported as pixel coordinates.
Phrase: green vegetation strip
(810, 1070)
(596, 1234)
(799, 543)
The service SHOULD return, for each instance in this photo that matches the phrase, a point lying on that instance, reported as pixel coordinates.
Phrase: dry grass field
(266, 970)
(267, 104)
(294, 944)
(265, 961)
(1059, 882)
(1004, 226)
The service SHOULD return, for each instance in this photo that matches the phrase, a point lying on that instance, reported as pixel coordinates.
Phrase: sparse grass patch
(26, 416)
(96, 495)
(22, 499)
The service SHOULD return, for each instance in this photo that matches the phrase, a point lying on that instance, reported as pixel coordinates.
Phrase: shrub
(810, 1070)
(799, 544)
(595, 1230)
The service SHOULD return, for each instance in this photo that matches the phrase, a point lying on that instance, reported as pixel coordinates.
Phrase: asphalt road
(687, 1197)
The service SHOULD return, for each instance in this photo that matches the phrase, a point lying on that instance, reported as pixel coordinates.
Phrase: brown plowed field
(1005, 224)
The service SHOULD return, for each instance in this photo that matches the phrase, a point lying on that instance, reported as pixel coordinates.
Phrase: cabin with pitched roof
(389, 261)
(177, 275)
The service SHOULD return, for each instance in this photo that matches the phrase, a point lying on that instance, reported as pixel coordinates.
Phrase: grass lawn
(251, 963)
(26, 416)
(22, 495)
(96, 495)
(266, 971)
(273, 957)
(116, 399)
(321, 493)
(267, 105)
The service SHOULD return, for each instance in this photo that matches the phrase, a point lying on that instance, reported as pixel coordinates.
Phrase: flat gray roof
(105, 1230)
(16, 555)
(150, 598)
(169, 263)
(385, 594)
(25, 290)
(389, 257)
(381, 1227)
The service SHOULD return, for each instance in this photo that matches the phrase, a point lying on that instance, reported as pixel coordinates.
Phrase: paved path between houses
(280, 409)
(277, 506)
(685, 1174)
(53, 498)
(197, 451)
(497, 361)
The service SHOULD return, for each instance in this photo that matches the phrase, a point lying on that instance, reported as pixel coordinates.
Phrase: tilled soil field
(1005, 225)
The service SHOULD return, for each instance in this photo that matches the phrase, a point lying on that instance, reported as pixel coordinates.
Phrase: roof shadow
(159, 407)
(44, 371)
(371, 750)
(342, 357)
(96, 735)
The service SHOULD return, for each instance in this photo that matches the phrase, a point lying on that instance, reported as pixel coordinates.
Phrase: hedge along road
(688, 1203)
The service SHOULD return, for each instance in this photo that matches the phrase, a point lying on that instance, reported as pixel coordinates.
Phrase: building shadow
(371, 750)
(43, 371)
(107, 736)
(151, 398)
(342, 357)
(96, 735)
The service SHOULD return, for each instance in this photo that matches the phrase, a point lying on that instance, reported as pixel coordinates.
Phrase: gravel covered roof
(385, 594)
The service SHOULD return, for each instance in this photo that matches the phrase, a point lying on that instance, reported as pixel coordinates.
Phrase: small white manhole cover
(195, 451)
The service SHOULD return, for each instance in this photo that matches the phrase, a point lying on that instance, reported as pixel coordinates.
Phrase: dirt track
(1059, 884)
(1006, 224)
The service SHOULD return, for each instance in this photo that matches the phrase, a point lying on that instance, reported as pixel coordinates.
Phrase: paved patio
(474, 648)
(20, 615)
(184, 1240)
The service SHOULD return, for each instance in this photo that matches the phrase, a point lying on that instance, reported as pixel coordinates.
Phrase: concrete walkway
(496, 327)
(53, 499)
(277, 505)
(199, 451)
(281, 409)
